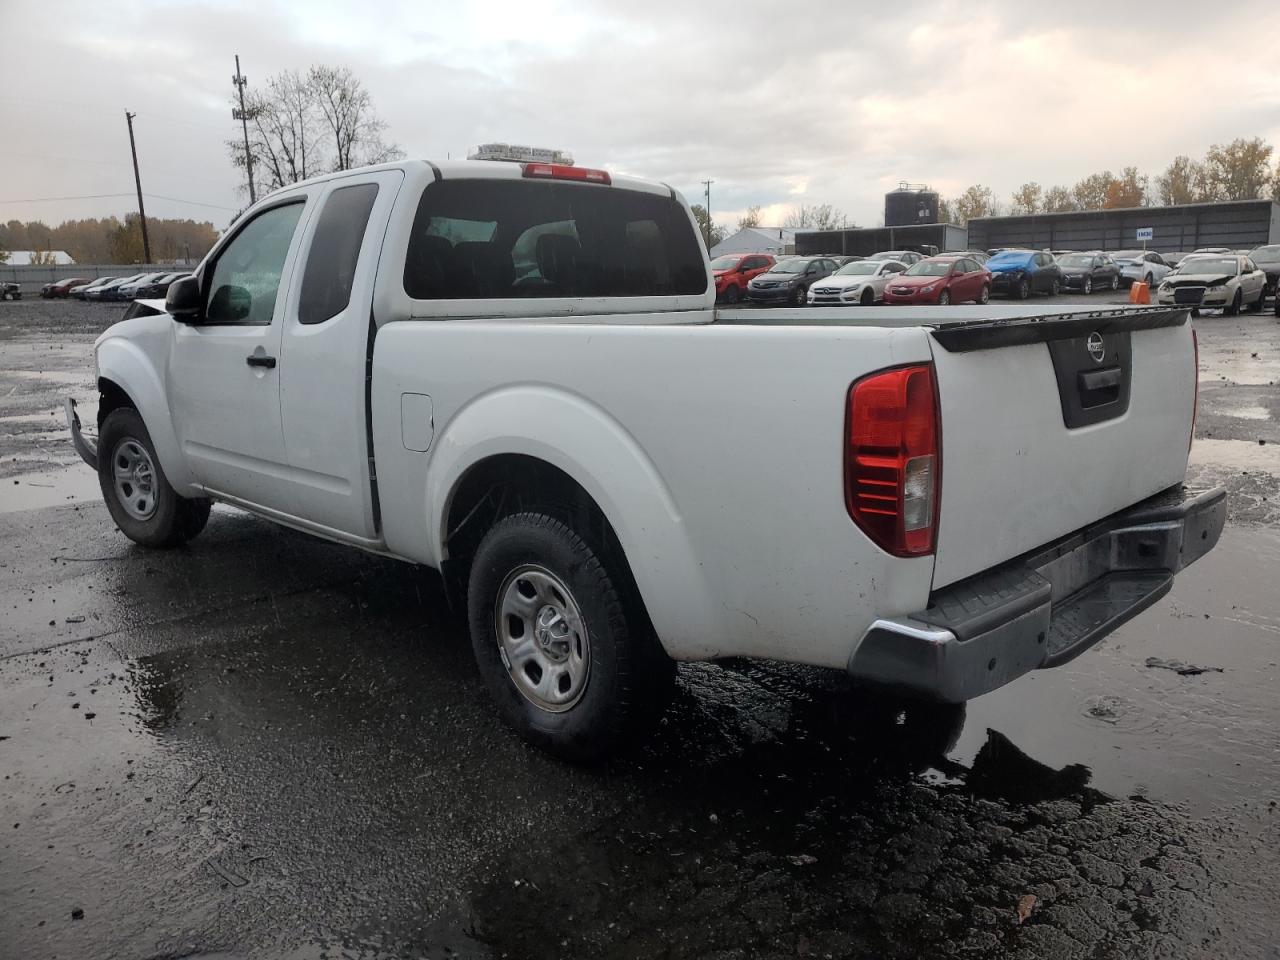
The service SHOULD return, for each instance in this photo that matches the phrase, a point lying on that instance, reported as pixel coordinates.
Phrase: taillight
(562, 171)
(1195, 404)
(892, 464)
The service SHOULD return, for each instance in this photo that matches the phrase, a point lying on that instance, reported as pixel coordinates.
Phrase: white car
(620, 476)
(1232, 282)
(857, 282)
(1141, 266)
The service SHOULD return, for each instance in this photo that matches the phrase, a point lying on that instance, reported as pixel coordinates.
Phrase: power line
(194, 203)
(91, 196)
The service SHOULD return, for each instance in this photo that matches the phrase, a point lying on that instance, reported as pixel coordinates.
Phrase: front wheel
(798, 298)
(1262, 295)
(732, 294)
(944, 298)
(1055, 287)
(1088, 285)
(985, 295)
(1024, 290)
(1115, 283)
(562, 643)
(1234, 307)
(139, 497)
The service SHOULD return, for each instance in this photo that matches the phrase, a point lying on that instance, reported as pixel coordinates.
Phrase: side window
(246, 275)
(335, 248)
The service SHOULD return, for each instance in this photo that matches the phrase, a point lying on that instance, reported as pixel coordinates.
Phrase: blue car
(1020, 273)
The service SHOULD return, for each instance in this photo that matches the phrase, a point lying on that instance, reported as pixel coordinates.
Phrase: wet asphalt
(263, 745)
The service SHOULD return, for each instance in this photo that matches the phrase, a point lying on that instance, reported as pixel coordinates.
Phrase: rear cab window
(517, 239)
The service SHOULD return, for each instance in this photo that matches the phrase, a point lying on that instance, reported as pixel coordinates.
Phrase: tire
(732, 294)
(1088, 286)
(1262, 295)
(1115, 283)
(1055, 288)
(1024, 289)
(1233, 308)
(551, 578)
(162, 519)
(944, 298)
(868, 298)
(799, 297)
(985, 296)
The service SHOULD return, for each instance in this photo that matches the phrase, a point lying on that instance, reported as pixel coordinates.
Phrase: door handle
(258, 360)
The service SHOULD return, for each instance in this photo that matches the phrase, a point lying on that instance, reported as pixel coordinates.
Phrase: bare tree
(751, 218)
(353, 127)
(1027, 198)
(819, 216)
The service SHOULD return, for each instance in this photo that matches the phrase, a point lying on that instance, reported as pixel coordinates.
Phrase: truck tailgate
(1052, 422)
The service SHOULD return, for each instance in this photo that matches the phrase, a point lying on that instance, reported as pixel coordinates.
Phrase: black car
(1020, 273)
(158, 287)
(10, 291)
(1268, 260)
(788, 281)
(1088, 272)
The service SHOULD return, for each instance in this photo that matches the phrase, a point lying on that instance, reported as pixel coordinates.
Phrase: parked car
(10, 291)
(160, 286)
(979, 255)
(788, 281)
(60, 289)
(81, 292)
(1088, 272)
(1020, 273)
(129, 290)
(940, 280)
(1213, 250)
(1268, 260)
(107, 291)
(902, 256)
(1173, 259)
(1233, 283)
(733, 272)
(617, 481)
(1141, 265)
(859, 281)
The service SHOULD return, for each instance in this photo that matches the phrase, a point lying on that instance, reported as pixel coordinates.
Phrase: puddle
(53, 488)
(1249, 413)
(1237, 455)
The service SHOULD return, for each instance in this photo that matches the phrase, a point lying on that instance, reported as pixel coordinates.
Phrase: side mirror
(182, 302)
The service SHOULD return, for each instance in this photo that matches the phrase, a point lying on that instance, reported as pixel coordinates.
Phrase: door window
(246, 275)
(335, 248)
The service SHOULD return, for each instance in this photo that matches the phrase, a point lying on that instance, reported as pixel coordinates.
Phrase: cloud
(835, 102)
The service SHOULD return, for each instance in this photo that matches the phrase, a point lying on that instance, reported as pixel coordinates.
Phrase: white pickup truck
(516, 373)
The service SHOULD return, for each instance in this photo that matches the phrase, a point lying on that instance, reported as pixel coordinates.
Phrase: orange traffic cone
(1139, 292)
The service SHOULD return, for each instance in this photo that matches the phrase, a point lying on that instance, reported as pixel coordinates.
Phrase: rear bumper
(1045, 608)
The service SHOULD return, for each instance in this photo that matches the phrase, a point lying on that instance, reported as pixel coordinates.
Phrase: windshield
(1009, 258)
(791, 266)
(1206, 265)
(858, 268)
(929, 268)
(724, 263)
(1076, 260)
(1269, 254)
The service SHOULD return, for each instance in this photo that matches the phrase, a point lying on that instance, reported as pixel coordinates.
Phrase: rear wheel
(1234, 307)
(562, 642)
(138, 495)
(732, 293)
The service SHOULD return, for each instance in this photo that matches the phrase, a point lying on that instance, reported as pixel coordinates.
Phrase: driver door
(223, 384)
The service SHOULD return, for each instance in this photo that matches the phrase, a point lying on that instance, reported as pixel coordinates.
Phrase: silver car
(1231, 282)
(1144, 266)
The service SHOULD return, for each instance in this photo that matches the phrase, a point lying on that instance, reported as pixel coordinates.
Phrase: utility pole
(243, 116)
(707, 184)
(137, 180)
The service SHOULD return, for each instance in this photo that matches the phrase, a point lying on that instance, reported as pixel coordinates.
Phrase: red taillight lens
(1195, 405)
(892, 464)
(561, 171)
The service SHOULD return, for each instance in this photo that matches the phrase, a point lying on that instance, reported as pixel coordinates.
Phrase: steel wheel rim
(542, 639)
(134, 477)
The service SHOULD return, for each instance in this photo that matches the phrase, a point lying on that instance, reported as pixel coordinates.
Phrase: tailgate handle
(1098, 387)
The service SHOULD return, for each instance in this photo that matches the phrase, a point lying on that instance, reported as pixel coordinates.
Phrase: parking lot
(267, 745)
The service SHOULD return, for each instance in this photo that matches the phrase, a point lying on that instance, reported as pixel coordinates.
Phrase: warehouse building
(776, 240)
(1237, 224)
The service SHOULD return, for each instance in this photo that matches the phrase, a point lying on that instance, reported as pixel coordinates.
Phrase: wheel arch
(126, 377)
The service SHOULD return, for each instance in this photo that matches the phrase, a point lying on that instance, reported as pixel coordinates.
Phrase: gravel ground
(263, 745)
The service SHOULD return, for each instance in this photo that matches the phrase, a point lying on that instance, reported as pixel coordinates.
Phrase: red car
(62, 288)
(732, 272)
(940, 280)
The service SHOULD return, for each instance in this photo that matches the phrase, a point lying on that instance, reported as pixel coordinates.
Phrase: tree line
(1239, 170)
(110, 239)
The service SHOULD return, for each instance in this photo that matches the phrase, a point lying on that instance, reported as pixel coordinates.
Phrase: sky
(779, 105)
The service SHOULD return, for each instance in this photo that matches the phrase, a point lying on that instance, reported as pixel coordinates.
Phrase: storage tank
(910, 203)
